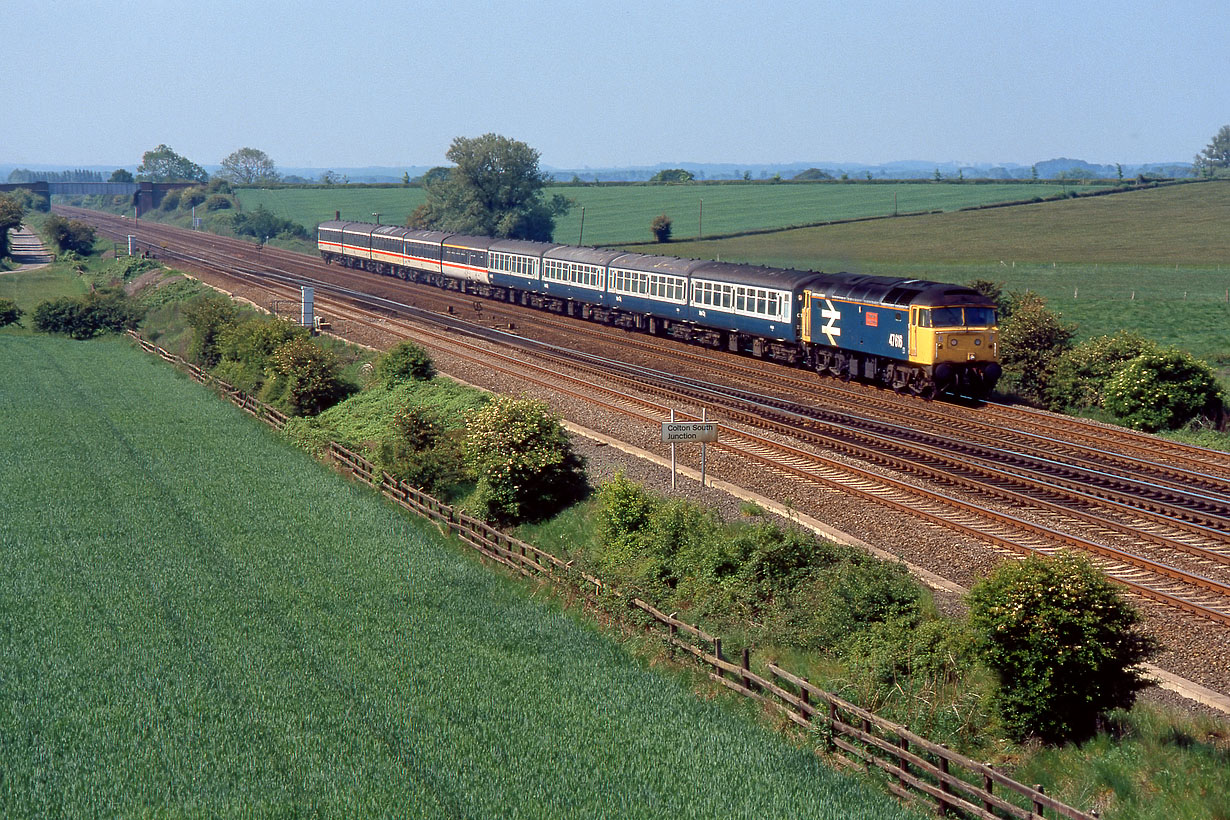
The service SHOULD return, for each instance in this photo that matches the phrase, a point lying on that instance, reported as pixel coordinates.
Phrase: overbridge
(145, 195)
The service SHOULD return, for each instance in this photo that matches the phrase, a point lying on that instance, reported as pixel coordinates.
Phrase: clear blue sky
(373, 82)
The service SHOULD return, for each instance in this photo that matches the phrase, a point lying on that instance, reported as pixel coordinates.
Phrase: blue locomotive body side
(859, 327)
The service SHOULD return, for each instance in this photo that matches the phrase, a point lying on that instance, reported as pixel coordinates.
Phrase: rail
(918, 768)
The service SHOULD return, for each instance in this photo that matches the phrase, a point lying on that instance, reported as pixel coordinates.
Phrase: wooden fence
(917, 768)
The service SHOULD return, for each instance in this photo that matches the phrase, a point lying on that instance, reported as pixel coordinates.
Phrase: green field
(618, 214)
(198, 620)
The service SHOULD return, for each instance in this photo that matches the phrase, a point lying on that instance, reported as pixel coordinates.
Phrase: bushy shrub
(170, 200)
(12, 212)
(422, 451)
(660, 227)
(1162, 390)
(1062, 642)
(70, 234)
(101, 311)
(1081, 374)
(10, 314)
(246, 349)
(262, 224)
(189, 198)
(209, 317)
(841, 598)
(405, 361)
(306, 377)
(1031, 339)
(523, 461)
(218, 202)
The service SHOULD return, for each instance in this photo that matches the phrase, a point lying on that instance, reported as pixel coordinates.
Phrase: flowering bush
(1081, 373)
(524, 461)
(1162, 390)
(1061, 641)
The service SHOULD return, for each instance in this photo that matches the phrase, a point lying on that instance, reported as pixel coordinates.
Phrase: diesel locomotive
(907, 334)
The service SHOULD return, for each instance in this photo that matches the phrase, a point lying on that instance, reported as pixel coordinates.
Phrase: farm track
(1155, 515)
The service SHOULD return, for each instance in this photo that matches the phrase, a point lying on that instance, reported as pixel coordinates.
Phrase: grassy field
(617, 214)
(198, 620)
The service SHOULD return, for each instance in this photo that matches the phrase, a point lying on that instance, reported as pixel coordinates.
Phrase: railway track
(1025, 482)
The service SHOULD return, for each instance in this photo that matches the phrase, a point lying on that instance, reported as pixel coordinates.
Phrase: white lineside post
(672, 455)
(130, 238)
(309, 309)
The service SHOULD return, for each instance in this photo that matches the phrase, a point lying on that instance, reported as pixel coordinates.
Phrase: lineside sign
(674, 432)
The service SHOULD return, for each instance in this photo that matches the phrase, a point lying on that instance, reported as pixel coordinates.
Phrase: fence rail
(918, 768)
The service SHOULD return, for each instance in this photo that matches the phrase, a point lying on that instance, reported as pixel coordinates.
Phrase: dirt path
(27, 249)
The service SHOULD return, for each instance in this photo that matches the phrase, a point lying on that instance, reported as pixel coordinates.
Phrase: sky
(613, 84)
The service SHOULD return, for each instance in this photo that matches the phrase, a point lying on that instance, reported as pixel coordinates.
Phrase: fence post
(717, 653)
(942, 808)
(988, 786)
(1038, 807)
(747, 665)
(832, 733)
(904, 745)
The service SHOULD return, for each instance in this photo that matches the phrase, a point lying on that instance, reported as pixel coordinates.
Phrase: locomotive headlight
(952, 342)
(977, 342)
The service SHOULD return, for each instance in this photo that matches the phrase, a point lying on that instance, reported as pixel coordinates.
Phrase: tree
(1162, 390)
(660, 227)
(164, 165)
(121, 175)
(523, 459)
(810, 173)
(11, 215)
(249, 165)
(495, 188)
(672, 175)
(1031, 339)
(1063, 644)
(1216, 154)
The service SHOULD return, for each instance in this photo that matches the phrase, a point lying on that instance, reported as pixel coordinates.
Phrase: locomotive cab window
(946, 317)
(979, 316)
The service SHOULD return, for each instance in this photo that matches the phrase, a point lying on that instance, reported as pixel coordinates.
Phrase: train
(911, 335)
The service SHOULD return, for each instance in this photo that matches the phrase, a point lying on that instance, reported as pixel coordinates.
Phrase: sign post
(702, 431)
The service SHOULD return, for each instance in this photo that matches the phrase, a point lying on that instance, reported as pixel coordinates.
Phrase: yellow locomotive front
(958, 345)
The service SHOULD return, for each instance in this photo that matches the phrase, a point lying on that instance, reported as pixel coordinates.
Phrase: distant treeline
(19, 175)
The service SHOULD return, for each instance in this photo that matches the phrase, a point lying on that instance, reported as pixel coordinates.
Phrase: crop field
(196, 619)
(617, 214)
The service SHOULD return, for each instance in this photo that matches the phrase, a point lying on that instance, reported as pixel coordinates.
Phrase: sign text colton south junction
(674, 432)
